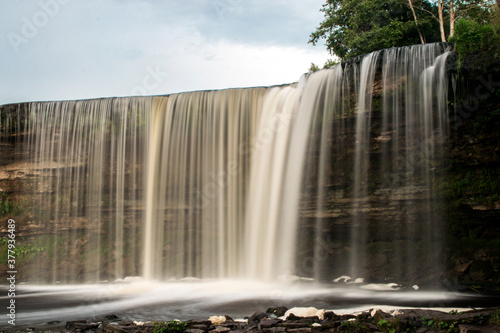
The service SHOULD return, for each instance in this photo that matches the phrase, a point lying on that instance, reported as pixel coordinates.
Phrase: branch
(428, 11)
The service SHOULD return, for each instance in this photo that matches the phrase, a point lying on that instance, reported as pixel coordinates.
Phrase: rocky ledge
(303, 320)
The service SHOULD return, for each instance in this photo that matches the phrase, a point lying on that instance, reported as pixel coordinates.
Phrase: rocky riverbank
(299, 320)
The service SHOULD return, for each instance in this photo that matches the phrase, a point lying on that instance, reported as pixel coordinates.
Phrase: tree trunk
(452, 18)
(410, 2)
(441, 20)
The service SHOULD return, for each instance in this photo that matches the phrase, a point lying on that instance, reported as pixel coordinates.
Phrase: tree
(410, 3)
(452, 10)
(477, 41)
(355, 27)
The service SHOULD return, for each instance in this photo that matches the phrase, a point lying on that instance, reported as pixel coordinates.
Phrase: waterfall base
(141, 300)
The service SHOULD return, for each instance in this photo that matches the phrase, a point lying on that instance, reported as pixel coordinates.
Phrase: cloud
(109, 47)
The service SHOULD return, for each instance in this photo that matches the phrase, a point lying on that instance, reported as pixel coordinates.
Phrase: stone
(278, 311)
(203, 325)
(194, 330)
(233, 325)
(221, 329)
(269, 322)
(289, 325)
(199, 327)
(305, 312)
(292, 317)
(256, 318)
(191, 323)
(469, 329)
(310, 320)
(273, 330)
(252, 328)
(303, 320)
(330, 316)
(115, 328)
(422, 329)
(80, 325)
(69, 324)
(462, 268)
(300, 330)
(110, 317)
(217, 320)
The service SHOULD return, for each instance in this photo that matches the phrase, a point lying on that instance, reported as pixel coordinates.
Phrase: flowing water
(333, 175)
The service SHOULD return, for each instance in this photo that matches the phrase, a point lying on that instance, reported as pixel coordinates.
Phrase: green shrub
(172, 326)
(476, 43)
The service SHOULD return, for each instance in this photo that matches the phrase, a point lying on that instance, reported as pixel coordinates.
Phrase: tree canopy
(355, 27)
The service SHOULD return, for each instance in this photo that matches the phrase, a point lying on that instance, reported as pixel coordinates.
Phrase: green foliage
(479, 186)
(427, 322)
(314, 67)
(353, 28)
(9, 207)
(495, 318)
(353, 326)
(21, 250)
(169, 327)
(476, 43)
(481, 11)
(442, 326)
(329, 63)
(386, 326)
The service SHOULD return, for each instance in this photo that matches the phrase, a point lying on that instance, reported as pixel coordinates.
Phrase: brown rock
(290, 326)
(194, 330)
(199, 327)
(192, 323)
(269, 322)
(462, 268)
(278, 311)
(469, 329)
(273, 330)
(300, 330)
(422, 329)
(80, 325)
(256, 318)
(330, 316)
(115, 328)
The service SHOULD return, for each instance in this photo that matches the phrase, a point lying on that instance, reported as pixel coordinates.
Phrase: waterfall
(85, 172)
(197, 180)
(333, 175)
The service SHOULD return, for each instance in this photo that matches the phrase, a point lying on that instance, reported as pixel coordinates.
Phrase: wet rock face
(472, 251)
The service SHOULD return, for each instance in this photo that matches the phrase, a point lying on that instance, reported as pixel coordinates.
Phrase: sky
(79, 49)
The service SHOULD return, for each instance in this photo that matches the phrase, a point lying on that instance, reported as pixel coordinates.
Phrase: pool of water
(141, 300)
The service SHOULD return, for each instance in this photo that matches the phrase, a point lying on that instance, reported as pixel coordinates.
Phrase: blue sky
(76, 49)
